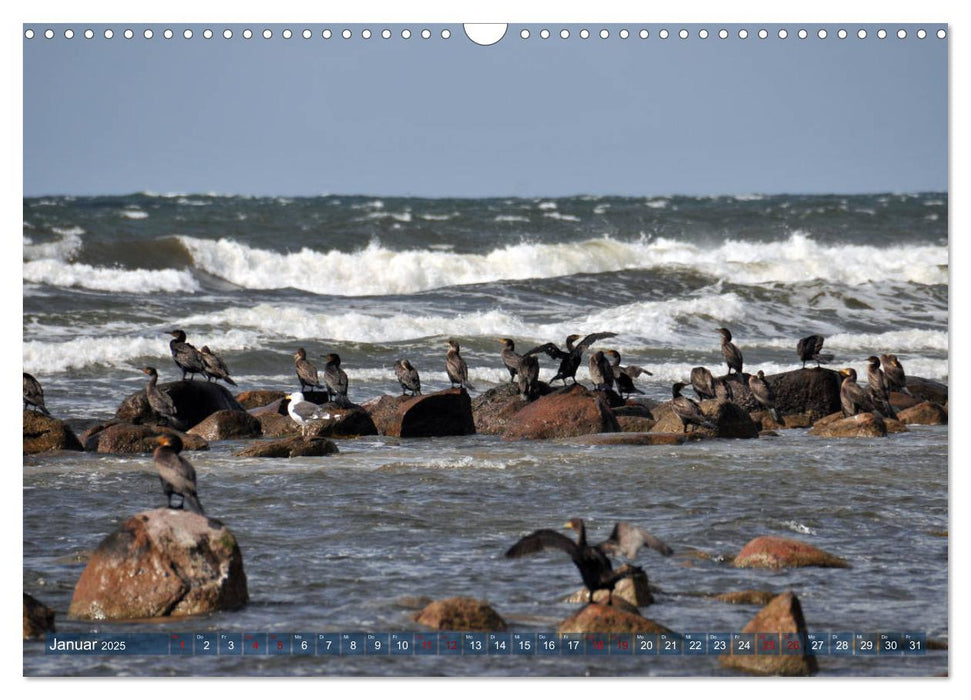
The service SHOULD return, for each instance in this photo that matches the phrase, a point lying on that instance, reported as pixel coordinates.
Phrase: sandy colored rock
(447, 412)
(194, 401)
(162, 563)
(461, 614)
(289, 447)
(228, 425)
(258, 398)
(635, 424)
(563, 413)
(750, 597)
(633, 590)
(45, 434)
(860, 425)
(38, 618)
(731, 421)
(769, 552)
(925, 413)
(597, 617)
(782, 614)
(127, 438)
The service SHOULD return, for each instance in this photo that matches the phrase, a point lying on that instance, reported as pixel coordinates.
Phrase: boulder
(276, 425)
(38, 618)
(749, 597)
(925, 413)
(228, 425)
(635, 424)
(627, 439)
(194, 402)
(44, 434)
(815, 391)
(860, 425)
(633, 590)
(162, 563)
(596, 617)
(732, 421)
(493, 410)
(635, 409)
(927, 390)
(563, 413)
(258, 398)
(461, 614)
(126, 438)
(290, 447)
(783, 614)
(769, 552)
(447, 412)
(337, 421)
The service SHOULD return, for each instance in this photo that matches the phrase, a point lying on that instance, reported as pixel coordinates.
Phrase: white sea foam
(377, 270)
(561, 217)
(510, 217)
(134, 214)
(546, 205)
(64, 247)
(107, 279)
(657, 203)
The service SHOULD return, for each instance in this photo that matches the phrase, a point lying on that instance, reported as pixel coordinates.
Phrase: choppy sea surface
(354, 541)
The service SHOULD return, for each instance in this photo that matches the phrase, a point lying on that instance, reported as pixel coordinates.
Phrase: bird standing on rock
(510, 358)
(214, 367)
(852, 397)
(733, 356)
(158, 400)
(335, 378)
(177, 475)
(571, 357)
(455, 367)
(306, 372)
(624, 376)
(407, 377)
(763, 394)
(303, 412)
(601, 374)
(34, 394)
(894, 372)
(186, 357)
(687, 410)
(527, 376)
(877, 383)
(809, 349)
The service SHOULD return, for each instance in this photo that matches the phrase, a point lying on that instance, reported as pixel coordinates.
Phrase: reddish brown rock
(627, 439)
(635, 424)
(597, 617)
(860, 425)
(731, 421)
(783, 614)
(336, 421)
(770, 552)
(126, 438)
(925, 413)
(633, 590)
(290, 447)
(228, 425)
(563, 413)
(277, 425)
(443, 413)
(162, 563)
(461, 614)
(749, 597)
(38, 618)
(194, 401)
(493, 410)
(45, 434)
(258, 398)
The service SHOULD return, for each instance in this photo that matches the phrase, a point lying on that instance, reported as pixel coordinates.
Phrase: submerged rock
(860, 425)
(782, 615)
(563, 413)
(45, 434)
(194, 402)
(749, 597)
(769, 552)
(633, 590)
(290, 447)
(461, 614)
(596, 617)
(38, 618)
(162, 563)
(447, 412)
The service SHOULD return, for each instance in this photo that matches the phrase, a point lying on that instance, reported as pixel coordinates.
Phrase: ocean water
(353, 542)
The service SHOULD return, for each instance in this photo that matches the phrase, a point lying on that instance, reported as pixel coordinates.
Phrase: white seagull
(303, 412)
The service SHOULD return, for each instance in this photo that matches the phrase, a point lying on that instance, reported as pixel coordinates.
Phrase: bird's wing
(550, 349)
(542, 539)
(636, 371)
(627, 539)
(591, 339)
(305, 409)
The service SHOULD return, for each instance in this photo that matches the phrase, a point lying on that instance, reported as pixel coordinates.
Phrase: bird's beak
(568, 525)
(845, 372)
(287, 397)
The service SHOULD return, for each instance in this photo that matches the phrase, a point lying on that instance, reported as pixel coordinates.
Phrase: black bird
(877, 383)
(703, 382)
(687, 410)
(528, 376)
(809, 350)
(455, 367)
(733, 356)
(158, 400)
(601, 374)
(407, 377)
(894, 372)
(186, 357)
(214, 367)
(34, 394)
(306, 372)
(571, 357)
(510, 358)
(335, 378)
(176, 473)
(624, 376)
(853, 398)
(592, 561)
(763, 393)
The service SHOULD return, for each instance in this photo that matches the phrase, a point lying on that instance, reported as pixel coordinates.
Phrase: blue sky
(449, 118)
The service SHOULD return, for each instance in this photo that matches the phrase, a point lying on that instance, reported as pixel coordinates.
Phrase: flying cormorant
(601, 374)
(306, 372)
(455, 367)
(34, 394)
(624, 376)
(878, 386)
(214, 367)
(809, 349)
(186, 357)
(158, 400)
(335, 378)
(763, 393)
(852, 396)
(687, 410)
(176, 473)
(407, 377)
(510, 358)
(733, 356)
(569, 358)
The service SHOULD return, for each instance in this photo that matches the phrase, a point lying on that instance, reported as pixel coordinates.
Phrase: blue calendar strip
(487, 644)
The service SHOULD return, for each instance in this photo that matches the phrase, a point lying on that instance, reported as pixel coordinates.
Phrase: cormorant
(407, 377)
(455, 367)
(158, 400)
(510, 358)
(733, 356)
(592, 561)
(687, 410)
(809, 350)
(306, 372)
(703, 382)
(34, 394)
(894, 372)
(302, 411)
(852, 396)
(624, 376)
(569, 358)
(335, 378)
(176, 473)
(763, 393)
(214, 367)
(877, 383)
(601, 374)
(186, 357)
(527, 376)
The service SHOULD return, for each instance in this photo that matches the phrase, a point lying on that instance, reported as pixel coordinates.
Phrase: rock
(563, 413)
(38, 618)
(769, 552)
(461, 614)
(228, 425)
(901, 401)
(258, 398)
(597, 617)
(749, 597)
(492, 411)
(814, 391)
(44, 434)
(290, 447)
(635, 409)
(194, 402)
(925, 413)
(635, 424)
(798, 420)
(783, 614)
(627, 439)
(447, 412)
(860, 425)
(277, 425)
(274, 407)
(895, 426)
(732, 421)
(632, 590)
(336, 421)
(162, 563)
(927, 390)
(126, 438)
